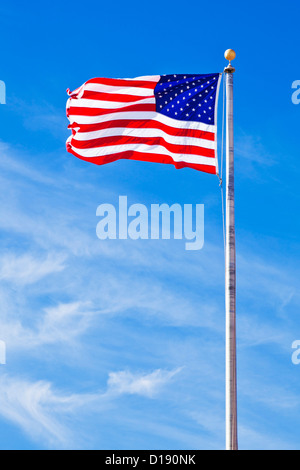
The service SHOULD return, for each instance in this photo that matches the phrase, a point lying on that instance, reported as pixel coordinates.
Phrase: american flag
(165, 119)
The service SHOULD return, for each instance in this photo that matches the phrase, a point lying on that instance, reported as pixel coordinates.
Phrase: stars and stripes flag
(166, 119)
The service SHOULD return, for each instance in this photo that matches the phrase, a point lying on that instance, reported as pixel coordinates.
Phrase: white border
(216, 122)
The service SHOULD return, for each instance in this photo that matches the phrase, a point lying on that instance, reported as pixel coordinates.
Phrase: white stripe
(145, 132)
(144, 148)
(98, 86)
(98, 104)
(78, 92)
(141, 115)
(119, 90)
(145, 78)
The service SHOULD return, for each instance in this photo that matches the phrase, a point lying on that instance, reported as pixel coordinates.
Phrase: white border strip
(216, 122)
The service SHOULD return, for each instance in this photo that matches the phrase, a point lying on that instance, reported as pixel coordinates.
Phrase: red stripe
(73, 110)
(124, 83)
(127, 140)
(146, 157)
(99, 96)
(144, 124)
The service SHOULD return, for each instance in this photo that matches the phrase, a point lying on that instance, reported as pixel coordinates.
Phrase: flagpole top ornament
(230, 55)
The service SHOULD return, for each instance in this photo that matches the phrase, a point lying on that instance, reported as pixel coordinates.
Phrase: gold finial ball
(230, 55)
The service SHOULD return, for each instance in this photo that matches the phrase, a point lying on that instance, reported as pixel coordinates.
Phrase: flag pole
(230, 266)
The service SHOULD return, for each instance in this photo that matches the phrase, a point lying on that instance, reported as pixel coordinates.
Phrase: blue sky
(119, 344)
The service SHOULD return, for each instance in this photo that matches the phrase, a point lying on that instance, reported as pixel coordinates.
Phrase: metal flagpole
(230, 266)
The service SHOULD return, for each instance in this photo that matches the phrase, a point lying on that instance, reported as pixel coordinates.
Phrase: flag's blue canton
(187, 97)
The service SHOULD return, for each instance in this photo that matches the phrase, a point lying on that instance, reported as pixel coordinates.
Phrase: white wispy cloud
(62, 324)
(257, 440)
(33, 410)
(42, 412)
(27, 269)
(147, 385)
